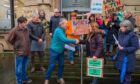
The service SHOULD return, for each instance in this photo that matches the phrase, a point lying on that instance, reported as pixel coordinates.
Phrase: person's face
(123, 29)
(65, 24)
(126, 15)
(36, 19)
(24, 24)
(92, 18)
(115, 17)
(73, 18)
(57, 13)
(42, 13)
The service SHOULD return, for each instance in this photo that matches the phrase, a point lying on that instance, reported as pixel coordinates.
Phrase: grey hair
(127, 24)
(62, 21)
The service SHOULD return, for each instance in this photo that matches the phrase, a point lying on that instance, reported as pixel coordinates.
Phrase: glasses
(57, 12)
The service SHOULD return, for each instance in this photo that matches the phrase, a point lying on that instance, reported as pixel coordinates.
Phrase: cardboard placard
(95, 67)
(82, 27)
(98, 63)
(95, 72)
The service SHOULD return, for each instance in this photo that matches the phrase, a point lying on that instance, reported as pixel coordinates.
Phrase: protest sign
(82, 27)
(95, 67)
(96, 6)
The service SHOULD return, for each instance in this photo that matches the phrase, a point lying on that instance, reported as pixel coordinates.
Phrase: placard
(95, 72)
(96, 6)
(82, 27)
(95, 67)
(98, 63)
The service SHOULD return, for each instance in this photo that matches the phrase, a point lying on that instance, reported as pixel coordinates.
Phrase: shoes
(42, 69)
(71, 62)
(32, 69)
(61, 81)
(27, 81)
(46, 82)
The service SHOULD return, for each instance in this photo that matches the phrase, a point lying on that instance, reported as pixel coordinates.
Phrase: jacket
(54, 23)
(59, 40)
(37, 31)
(129, 41)
(69, 31)
(94, 44)
(114, 30)
(20, 39)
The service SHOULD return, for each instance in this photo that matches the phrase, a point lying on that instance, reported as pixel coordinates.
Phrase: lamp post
(12, 13)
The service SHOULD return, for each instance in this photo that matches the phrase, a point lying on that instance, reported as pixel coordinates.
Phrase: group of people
(31, 39)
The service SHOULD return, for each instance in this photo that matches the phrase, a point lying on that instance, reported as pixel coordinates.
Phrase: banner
(95, 67)
(96, 6)
(82, 27)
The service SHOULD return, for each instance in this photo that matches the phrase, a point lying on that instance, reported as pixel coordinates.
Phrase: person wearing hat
(70, 34)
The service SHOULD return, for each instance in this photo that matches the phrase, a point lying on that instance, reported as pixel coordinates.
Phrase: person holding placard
(70, 34)
(95, 41)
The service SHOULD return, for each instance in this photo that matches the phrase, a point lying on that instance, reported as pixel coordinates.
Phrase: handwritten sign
(97, 6)
(82, 27)
(95, 72)
(95, 63)
(95, 67)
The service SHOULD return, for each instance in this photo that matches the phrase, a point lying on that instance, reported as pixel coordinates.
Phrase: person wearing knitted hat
(70, 34)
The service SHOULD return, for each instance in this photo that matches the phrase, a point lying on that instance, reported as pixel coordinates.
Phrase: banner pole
(81, 54)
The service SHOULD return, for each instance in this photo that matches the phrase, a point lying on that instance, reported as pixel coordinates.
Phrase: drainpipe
(12, 13)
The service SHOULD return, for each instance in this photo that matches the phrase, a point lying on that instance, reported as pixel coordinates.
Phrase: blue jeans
(72, 53)
(21, 68)
(95, 80)
(54, 57)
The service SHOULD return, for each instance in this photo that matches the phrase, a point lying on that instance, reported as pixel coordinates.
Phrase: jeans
(95, 80)
(72, 53)
(54, 57)
(21, 64)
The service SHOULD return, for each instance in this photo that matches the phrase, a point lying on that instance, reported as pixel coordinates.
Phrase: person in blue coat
(59, 40)
(129, 44)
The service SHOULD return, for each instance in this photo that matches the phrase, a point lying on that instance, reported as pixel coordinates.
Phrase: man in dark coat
(54, 21)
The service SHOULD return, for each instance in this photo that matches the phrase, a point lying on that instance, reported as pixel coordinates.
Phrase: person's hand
(50, 34)
(77, 41)
(120, 47)
(94, 57)
(40, 40)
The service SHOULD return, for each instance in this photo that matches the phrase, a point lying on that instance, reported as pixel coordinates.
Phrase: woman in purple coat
(128, 41)
(95, 44)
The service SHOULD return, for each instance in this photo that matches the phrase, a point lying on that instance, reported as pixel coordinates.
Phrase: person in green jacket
(59, 40)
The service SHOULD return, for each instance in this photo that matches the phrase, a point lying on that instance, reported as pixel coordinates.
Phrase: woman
(95, 41)
(113, 28)
(128, 41)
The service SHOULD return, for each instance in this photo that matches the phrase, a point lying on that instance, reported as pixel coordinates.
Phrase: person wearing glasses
(54, 21)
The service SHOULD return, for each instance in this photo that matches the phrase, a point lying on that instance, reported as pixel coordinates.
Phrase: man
(38, 44)
(54, 21)
(128, 16)
(57, 51)
(19, 38)
(70, 34)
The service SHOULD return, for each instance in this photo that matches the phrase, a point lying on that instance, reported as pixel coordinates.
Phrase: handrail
(2, 49)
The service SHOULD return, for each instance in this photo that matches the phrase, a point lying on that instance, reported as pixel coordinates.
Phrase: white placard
(96, 6)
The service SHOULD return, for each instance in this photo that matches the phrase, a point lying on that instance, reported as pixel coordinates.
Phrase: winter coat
(20, 39)
(114, 30)
(59, 40)
(129, 41)
(54, 23)
(94, 44)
